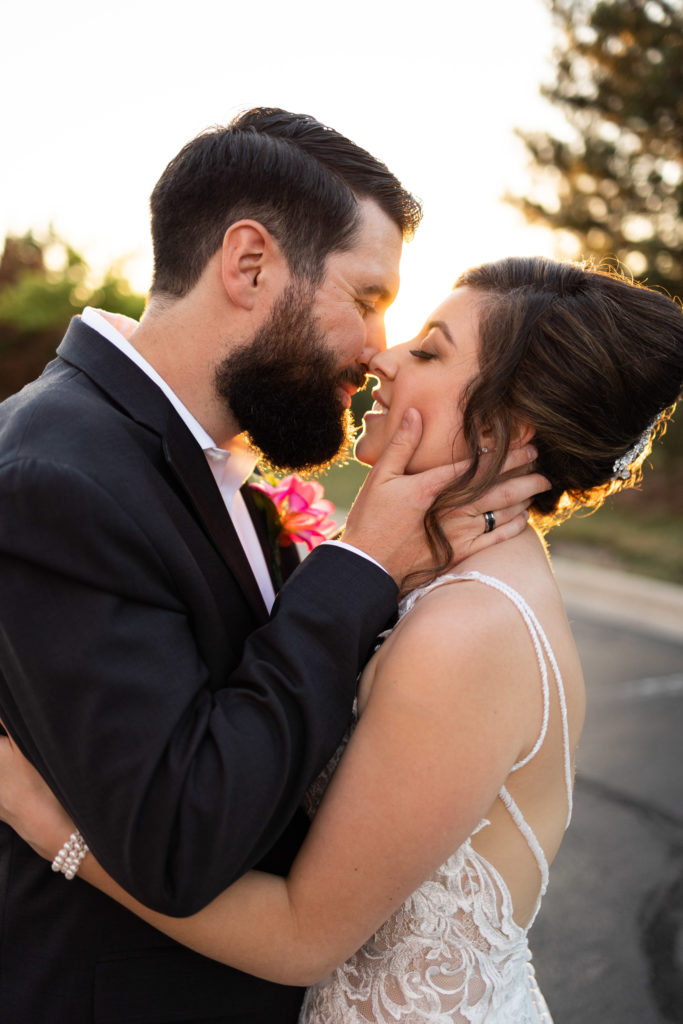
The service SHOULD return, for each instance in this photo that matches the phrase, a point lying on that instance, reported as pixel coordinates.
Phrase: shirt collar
(231, 466)
(98, 320)
(239, 460)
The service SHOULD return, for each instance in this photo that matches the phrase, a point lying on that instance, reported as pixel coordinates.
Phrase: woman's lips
(379, 406)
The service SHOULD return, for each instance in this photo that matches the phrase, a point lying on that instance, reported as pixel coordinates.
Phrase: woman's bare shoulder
(459, 636)
(461, 607)
(472, 625)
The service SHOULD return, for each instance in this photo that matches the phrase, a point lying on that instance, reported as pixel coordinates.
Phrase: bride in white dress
(424, 868)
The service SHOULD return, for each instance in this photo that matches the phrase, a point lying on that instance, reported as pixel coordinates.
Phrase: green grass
(648, 543)
(342, 483)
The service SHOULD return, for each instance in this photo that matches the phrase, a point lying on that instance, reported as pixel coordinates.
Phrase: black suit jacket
(141, 674)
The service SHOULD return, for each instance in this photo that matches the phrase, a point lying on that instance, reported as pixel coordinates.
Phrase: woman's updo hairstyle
(588, 358)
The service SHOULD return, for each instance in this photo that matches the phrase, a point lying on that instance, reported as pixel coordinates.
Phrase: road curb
(620, 598)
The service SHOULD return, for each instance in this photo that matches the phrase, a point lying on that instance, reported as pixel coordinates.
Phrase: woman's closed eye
(420, 353)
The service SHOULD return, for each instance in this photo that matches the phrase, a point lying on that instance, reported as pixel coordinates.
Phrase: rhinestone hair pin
(621, 469)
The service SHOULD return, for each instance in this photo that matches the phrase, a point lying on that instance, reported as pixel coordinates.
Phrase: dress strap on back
(537, 850)
(544, 657)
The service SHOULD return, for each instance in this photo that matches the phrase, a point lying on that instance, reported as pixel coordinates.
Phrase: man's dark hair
(297, 177)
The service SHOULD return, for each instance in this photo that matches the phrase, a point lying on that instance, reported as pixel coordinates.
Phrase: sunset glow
(103, 96)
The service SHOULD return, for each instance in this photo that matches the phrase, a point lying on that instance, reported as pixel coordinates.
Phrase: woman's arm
(425, 763)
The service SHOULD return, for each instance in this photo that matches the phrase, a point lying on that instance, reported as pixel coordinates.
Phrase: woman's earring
(483, 450)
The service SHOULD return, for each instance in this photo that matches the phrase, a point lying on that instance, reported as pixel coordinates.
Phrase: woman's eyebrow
(442, 326)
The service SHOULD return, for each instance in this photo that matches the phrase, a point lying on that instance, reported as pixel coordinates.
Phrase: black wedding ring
(489, 522)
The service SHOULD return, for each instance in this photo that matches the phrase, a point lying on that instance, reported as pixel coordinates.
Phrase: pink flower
(302, 510)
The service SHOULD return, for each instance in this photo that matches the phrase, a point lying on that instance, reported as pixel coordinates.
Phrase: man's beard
(282, 388)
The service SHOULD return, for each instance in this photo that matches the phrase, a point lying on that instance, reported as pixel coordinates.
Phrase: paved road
(608, 944)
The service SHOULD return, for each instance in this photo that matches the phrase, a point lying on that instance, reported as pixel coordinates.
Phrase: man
(177, 722)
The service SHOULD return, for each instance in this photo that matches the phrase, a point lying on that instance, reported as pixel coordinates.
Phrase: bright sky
(97, 97)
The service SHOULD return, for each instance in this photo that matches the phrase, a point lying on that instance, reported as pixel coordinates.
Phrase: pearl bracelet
(69, 858)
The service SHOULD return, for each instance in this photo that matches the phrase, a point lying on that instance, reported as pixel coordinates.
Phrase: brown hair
(587, 357)
(296, 176)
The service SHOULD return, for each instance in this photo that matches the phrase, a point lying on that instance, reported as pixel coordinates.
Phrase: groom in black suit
(176, 716)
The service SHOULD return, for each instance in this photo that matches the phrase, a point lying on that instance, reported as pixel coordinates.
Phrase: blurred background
(546, 127)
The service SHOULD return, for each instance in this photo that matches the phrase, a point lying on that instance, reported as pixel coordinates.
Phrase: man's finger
(519, 457)
(511, 492)
(500, 516)
(515, 491)
(399, 451)
(504, 532)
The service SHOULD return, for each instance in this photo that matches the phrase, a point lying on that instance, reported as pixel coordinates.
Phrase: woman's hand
(28, 805)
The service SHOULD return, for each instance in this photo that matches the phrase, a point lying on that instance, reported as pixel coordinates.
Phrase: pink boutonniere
(296, 513)
(302, 511)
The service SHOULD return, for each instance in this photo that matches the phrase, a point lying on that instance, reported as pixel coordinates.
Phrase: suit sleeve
(178, 788)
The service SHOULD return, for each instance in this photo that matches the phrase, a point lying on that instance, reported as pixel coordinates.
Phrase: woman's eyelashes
(421, 352)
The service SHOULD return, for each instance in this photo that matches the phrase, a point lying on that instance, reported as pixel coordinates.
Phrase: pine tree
(618, 175)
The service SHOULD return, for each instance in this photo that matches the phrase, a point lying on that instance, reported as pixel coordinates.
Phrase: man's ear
(252, 263)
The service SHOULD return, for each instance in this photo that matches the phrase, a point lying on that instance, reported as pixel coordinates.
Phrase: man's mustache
(356, 377)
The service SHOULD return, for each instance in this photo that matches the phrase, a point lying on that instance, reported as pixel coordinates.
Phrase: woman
(424, 868)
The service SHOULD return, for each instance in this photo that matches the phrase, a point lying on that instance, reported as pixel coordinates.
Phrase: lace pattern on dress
(453, 951)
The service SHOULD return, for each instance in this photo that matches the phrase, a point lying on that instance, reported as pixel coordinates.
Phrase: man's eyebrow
(442, 326)
(377, 290)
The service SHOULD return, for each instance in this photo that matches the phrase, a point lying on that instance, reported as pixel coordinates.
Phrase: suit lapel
(140, 397)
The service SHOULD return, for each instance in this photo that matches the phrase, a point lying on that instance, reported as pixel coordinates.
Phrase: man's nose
(375, 341)
(384, 364)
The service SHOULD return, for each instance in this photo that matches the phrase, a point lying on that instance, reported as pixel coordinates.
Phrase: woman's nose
(384, 364)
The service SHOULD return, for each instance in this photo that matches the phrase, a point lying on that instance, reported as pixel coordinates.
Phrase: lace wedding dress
(452, 952)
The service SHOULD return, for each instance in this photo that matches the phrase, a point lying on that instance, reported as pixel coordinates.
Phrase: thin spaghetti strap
(541, 646)
(538, 635)
(533, 843)
(565, 724)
